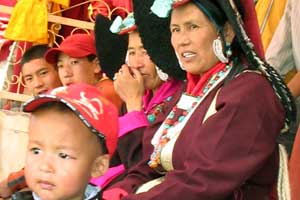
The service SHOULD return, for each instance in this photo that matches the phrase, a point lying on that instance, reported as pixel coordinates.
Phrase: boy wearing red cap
(77, 62)
(72, 134)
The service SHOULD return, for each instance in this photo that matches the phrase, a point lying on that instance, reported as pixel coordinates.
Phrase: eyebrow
(37, 142)
(39, 70)
(43, 68)
(139, 47)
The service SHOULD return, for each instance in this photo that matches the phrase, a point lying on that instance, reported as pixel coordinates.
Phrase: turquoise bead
(151, 118)
(181, 118)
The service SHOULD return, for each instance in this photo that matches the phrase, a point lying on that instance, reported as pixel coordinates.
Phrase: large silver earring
(218, 50)
(179, 62)
(127, 59)
(162, 75)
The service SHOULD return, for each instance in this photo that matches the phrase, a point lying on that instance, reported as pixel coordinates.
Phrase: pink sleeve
(132, 121)
(114, 194)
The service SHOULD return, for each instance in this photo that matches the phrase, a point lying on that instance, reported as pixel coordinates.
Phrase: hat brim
(111, 48)
(51, 56)
(156, 38)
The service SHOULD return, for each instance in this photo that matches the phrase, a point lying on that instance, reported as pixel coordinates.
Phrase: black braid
(256, 63)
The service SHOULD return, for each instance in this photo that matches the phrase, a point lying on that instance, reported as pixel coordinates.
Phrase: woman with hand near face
(140, 83)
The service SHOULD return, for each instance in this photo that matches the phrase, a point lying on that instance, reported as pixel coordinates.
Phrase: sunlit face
(139, 59)
(60, 156)
(192, 36)
(40, 76)
(77, 70)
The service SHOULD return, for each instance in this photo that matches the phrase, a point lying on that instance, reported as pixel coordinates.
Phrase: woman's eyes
(193, 26)
(131, 53)
(189, 27)
(173, 30)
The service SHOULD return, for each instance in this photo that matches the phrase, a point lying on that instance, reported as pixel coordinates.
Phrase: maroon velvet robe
(232, 155)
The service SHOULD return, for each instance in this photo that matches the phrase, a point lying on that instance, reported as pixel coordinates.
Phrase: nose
(137, 61)
(38, 82)
(65, 72)
(182, 38)
(45, 165)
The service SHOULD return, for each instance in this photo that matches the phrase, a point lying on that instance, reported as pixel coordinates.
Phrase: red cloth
(107, 89)
(101, 8)
(16, 181)
(4, 18)
(294, 168)
(197, 82)
(252, 27)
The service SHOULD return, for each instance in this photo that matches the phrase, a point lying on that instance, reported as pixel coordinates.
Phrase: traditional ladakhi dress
(131, 127)
(230, 153)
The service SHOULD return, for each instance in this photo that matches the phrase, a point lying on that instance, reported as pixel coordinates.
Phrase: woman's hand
(129, 85)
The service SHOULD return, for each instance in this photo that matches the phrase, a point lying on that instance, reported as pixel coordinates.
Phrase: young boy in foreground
(72, 134)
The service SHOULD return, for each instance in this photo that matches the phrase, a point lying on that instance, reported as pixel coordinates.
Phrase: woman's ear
(228, 33)
(100, 165)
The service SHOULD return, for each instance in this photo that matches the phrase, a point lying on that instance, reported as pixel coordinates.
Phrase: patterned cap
(96, 112)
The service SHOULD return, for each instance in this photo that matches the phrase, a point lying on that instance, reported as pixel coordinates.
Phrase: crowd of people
(175, 100)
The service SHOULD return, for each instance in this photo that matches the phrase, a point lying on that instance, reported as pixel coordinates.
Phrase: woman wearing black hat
(140, 83)
(220, 139)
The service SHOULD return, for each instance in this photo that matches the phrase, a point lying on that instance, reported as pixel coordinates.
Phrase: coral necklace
(181, 112)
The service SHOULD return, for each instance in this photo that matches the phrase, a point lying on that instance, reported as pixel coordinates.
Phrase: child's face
(61, 156)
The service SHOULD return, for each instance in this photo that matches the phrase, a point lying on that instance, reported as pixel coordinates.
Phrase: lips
(67, 83)
(188, 54)
(46, 185)
(42, 91)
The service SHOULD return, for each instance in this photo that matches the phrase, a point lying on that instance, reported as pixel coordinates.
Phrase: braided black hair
(256, 63)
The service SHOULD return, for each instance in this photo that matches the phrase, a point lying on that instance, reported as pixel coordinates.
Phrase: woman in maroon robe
(220, 140)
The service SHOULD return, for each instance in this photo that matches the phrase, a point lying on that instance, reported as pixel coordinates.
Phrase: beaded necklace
(186, 105)
(158, 109)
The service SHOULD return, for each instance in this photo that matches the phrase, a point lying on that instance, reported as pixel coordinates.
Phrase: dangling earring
(127, 59)
(179, 62)
(228, 50)
(162, 75)
(218, 50)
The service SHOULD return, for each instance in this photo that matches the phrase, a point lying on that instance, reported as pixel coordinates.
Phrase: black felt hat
(156, 38)
(111, 48)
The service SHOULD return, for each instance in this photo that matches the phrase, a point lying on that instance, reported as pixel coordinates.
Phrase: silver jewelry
(162, 75)
(228, 50)
(218, 50)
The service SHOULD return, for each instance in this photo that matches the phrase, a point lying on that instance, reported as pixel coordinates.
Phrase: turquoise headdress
(121, 26)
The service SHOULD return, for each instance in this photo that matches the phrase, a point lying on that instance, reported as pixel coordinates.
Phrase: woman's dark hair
(91, 57)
